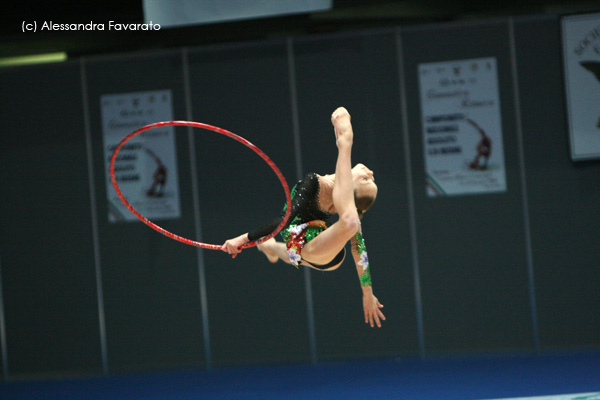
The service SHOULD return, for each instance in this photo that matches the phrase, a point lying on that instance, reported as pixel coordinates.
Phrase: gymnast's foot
(340, 120)
(267, 249)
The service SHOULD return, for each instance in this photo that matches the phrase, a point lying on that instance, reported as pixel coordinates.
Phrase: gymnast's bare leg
(330, 242)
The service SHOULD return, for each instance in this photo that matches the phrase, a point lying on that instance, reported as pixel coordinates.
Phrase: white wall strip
(3, 329)
(94, 212)
(526, 223)
(312, 341)
(197, 220)
(411, 198)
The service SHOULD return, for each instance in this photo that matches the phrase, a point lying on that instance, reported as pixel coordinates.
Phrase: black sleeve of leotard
(305, 190)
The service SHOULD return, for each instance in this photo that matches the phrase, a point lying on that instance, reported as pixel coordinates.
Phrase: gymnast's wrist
(367, 289)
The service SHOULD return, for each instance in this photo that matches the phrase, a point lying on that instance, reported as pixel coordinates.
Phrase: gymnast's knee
(350, 222)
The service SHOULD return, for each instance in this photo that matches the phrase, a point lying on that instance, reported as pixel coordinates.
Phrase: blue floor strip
(468, 378)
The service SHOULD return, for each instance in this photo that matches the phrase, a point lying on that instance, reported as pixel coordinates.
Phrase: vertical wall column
(562, 195)
(410, 197)
(196, 203)
(359, 71)
(94, 218)
(258, 310)
(524, 199)
(150, 283)
(3, 348)
(310, 314)
(48, 276)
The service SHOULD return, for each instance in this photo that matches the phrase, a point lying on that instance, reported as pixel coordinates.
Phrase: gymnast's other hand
(234, 246)
(372, 308)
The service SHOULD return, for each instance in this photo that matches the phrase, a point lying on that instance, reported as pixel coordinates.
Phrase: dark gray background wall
(515, 271)
(472, 249)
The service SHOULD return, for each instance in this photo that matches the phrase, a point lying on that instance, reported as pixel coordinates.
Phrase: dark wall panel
(257, 309)
(151, 290)
(563, 195)
(471, 248)
(46, 248)
(360, 72)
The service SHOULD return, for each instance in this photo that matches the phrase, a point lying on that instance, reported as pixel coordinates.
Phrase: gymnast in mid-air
(309, 241)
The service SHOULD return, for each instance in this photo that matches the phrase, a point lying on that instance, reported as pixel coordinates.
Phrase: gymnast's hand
(372, 310)
(234, 246)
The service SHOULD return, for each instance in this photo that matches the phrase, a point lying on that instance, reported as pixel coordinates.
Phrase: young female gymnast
(308, 241)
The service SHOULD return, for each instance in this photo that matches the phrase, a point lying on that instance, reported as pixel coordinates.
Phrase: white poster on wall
(462, 129)
(581, 58)
(146, 167)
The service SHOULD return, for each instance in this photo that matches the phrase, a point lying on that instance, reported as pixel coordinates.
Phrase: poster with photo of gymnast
(462, 129)
(146, 166)
(581, 59)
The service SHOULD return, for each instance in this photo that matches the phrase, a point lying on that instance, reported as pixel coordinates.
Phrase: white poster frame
(146, 166)
(462, 127)
(581, 62)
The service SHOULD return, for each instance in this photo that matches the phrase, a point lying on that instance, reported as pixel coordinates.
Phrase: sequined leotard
(305, 207)
(305, 222)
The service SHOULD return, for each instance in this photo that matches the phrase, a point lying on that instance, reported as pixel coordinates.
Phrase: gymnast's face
(364, 181)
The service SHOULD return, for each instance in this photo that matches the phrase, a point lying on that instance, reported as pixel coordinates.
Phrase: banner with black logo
(581, 58)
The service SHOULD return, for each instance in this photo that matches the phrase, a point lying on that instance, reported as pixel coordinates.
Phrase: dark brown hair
(363, 203)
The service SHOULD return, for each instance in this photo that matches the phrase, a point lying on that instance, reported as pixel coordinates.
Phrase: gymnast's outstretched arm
(371, 306)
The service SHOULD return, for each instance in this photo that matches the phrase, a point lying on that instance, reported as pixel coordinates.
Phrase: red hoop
(214, 129)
